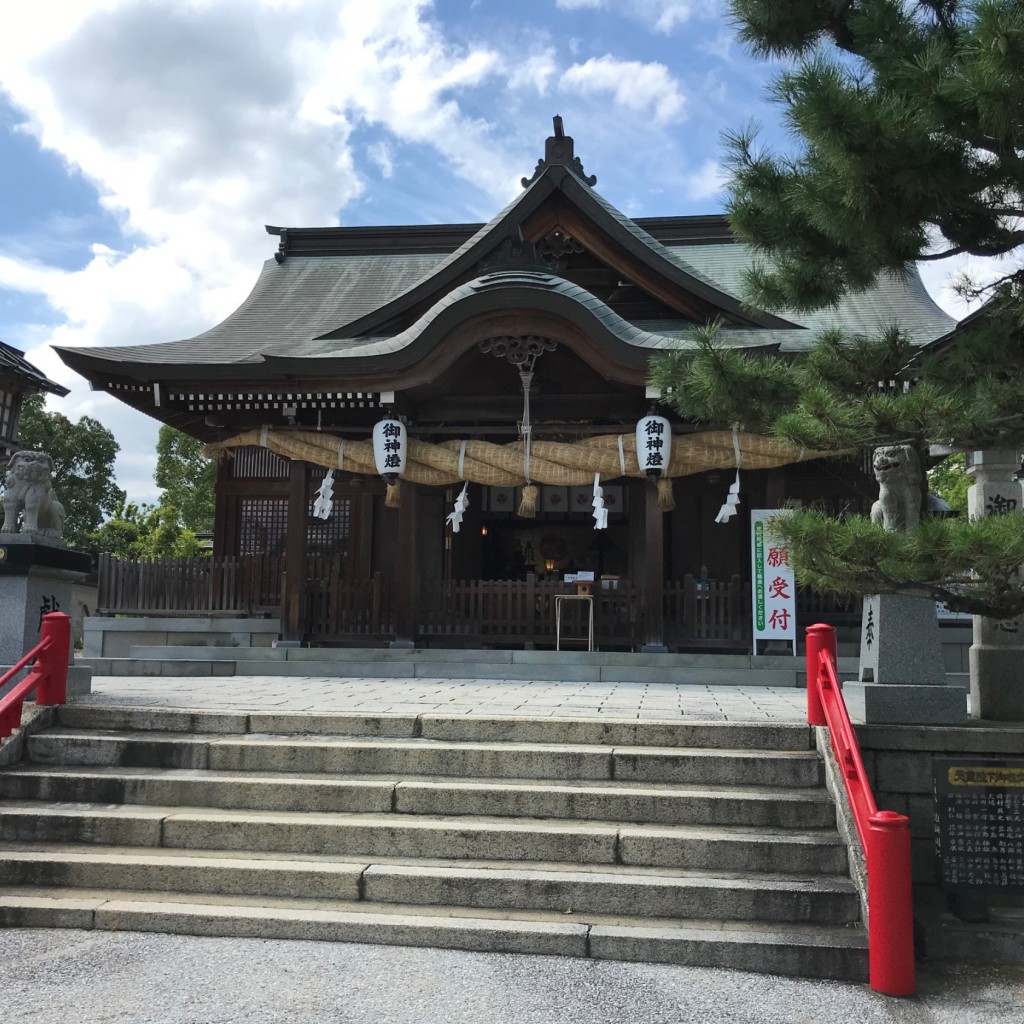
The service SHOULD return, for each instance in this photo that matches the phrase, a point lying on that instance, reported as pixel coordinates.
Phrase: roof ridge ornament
(515, 251)
(558, 152)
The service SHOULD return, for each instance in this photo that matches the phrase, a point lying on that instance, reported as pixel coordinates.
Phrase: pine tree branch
(945, 254)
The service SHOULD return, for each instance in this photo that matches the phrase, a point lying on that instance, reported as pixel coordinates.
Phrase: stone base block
(79, 681)
(892, 704)
(900, 642)
(997, 683)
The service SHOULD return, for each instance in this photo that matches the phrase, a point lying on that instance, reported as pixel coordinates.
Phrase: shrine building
(511, 361)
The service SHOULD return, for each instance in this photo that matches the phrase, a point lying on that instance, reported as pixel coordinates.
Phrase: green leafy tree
(908, 118)
(949, 480)
(186, 478)
(83, 456)
(909, 115)
(145, 531)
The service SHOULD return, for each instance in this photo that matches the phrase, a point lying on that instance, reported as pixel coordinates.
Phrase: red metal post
(52, 663)
(890, 904)
(820, 637)
(10, 719)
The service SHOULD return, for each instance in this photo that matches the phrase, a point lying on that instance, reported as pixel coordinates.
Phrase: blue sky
(145, 143)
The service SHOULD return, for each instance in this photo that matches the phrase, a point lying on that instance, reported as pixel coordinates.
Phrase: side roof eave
(633, 239)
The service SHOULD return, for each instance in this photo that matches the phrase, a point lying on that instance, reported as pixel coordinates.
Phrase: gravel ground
(78, 977)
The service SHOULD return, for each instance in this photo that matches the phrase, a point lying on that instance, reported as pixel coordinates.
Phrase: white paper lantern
(653, 444)
(389, 448)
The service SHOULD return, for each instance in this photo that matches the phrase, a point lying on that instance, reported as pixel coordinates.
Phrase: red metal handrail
(49, 675)
(884, 835)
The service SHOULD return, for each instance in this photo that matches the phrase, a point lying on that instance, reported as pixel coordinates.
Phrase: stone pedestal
(996, 656)
(902, 674)
(35, 578)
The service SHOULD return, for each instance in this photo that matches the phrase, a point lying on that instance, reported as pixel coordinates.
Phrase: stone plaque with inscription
(979, 823)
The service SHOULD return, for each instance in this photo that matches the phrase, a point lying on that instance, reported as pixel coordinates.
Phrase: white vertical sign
(773, 586)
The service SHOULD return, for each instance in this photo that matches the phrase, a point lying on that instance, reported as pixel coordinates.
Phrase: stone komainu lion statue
(28, 489)
(898, 472)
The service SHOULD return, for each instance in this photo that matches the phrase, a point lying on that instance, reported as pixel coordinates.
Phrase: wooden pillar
(404, 580)
(360, 553)
(293, 585)
(654, 572)
(225, 543)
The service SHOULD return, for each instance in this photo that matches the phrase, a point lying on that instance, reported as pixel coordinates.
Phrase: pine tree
(910, 120)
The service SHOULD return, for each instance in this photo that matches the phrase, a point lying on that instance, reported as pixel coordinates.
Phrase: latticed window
(329, 536)
(262, 526)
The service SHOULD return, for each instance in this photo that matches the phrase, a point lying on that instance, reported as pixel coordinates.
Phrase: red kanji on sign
(779, 618)
(778, 588)
(778, 556)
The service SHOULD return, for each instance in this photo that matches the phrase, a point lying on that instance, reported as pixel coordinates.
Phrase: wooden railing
(832, 608)
(713, 613)
(241, 585)
(337, 607)
(523, 611)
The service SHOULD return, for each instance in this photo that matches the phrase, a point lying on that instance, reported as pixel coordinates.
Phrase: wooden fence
(523, 612)
(506, 612)
(337, 608)
(242, 585)
(711, 613)
(831, 608)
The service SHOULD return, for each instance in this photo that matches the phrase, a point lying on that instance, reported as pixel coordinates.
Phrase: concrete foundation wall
(111, 638)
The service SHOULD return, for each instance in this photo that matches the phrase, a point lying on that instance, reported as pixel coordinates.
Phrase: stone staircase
(708, 844)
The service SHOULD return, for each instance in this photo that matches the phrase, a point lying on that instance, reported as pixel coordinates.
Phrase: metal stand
(559, 598)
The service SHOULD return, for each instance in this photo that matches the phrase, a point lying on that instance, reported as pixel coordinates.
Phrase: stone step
(432, 836)
(526, 729)
(647, 803)
(382, 755)
(616, 891)
(171, 663)
(455, 656)
(803, 950)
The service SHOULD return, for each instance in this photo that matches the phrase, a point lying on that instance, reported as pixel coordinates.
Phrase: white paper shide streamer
(732, 499)
(600, 512)
(461, 504)
(324, 503)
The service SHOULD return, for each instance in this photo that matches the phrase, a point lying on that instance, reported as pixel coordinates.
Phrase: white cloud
(645, 88)
(535, 72)
(380, 155)
(707, 181)
(197, 123)
(660, 15)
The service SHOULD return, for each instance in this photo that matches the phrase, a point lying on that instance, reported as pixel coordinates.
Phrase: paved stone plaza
(464, 696)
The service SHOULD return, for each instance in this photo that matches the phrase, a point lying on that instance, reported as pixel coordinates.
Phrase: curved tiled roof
(508, 280)
(899, 300)
(337, 306)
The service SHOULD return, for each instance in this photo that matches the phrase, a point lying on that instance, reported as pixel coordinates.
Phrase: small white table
(559, 599)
